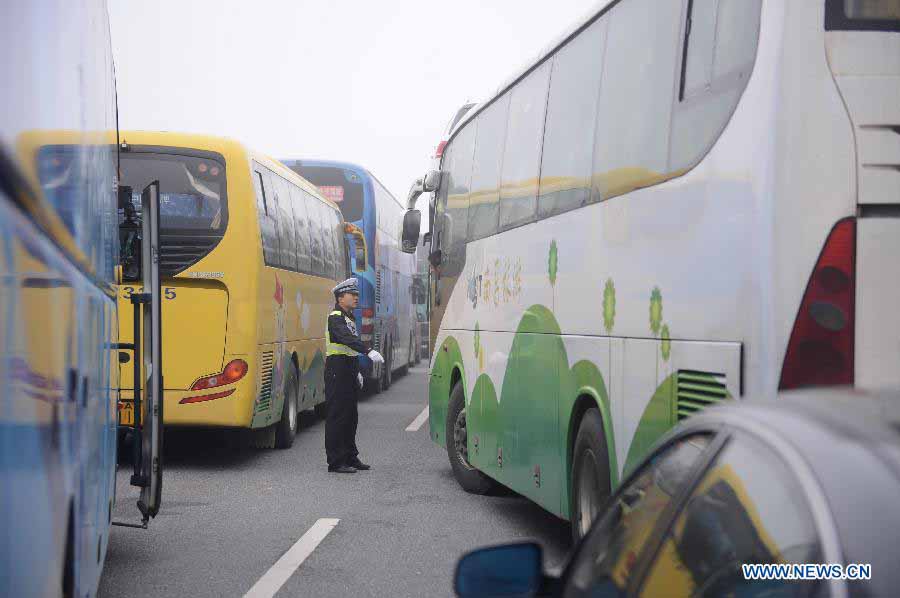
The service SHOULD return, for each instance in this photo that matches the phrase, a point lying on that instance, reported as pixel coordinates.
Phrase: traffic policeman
(343, 379)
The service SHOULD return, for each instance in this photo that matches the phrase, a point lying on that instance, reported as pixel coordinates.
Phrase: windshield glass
(343, 187)
(192, 189)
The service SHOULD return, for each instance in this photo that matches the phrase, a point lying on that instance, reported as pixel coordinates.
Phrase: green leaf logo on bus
(552, 263)
(609, 305)
(665, 347)
(656, 310)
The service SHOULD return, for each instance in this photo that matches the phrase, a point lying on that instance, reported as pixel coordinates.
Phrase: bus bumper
(232, 411)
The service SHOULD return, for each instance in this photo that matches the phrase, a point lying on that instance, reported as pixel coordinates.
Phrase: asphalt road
(228, 515)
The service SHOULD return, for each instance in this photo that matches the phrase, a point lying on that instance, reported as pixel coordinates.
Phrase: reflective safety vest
(336, 348)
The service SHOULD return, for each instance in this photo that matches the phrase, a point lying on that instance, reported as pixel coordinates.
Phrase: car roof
(850, 440)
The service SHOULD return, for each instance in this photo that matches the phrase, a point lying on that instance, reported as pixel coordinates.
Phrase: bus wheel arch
(456, 437)
(589, 468)
(287, 427)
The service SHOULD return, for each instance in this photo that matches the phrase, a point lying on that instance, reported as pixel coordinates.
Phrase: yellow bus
(249, 254)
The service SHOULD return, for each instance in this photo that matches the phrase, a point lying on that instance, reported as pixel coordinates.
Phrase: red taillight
(820, 350)
(368, 313)
(439, 151)
(366, 328)
(234, 371)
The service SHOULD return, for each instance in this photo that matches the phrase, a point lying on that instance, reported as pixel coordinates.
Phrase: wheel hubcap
(292, 412)
(460, 439)
(588, 492)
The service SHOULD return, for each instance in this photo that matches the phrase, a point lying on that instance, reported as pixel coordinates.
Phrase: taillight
(234, 371)
(366, 328)
(439, 151)
(820, 350)
(368, 312)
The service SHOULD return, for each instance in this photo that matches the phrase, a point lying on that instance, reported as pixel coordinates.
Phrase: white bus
(679, 202)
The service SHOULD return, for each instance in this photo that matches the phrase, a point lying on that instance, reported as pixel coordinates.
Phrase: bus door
(147, 422)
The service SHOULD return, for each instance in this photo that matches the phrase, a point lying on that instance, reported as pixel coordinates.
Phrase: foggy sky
(367, 82)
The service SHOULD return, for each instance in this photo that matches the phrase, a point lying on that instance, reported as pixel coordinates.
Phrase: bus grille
(180, 252)
(697, 390)
(266, 364)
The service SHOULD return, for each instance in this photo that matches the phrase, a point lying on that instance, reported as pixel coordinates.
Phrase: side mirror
(508, 570)
(361, 254)
(432, 181)
(412, 221)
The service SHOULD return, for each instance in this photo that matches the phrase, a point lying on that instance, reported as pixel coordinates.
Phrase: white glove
(359, 379)
(375, 356)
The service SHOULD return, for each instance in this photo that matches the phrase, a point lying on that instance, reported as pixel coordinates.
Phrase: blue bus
(386, 313)
(59, 238)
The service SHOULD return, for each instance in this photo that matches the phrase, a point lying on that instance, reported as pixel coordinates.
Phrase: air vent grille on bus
(266, 364)
(180, 252)
(697, 390)
(378, 286)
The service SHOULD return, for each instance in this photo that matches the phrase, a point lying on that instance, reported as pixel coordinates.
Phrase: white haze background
(367, 82)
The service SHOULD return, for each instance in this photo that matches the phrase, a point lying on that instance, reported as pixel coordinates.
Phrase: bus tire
(286, 428)
(404, 369)
(471, 480)
(387, 373)
(590, 481)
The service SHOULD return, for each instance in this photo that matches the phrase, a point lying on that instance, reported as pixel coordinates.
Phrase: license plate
(126, 414)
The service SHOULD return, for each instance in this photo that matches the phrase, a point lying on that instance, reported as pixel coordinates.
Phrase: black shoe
(341, 469)
(356, 463)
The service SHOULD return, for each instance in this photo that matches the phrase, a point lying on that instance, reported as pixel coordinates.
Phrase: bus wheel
(286, 428)
(405, 369)
(456, 437)
(590, 485)
(388, 375)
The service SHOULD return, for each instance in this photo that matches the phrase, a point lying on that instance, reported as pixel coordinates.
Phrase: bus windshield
(192, 190)
(343, 187)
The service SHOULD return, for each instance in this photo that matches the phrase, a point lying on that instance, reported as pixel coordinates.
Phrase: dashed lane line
(417, 423)
(282, 570)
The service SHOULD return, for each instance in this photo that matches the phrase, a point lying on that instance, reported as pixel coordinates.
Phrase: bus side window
(288, 254)
(571, 117)
(301, 228)
(522, 150)
(328, 257)
(267, 225)
(337, 241)
(718, 52)
(483, 213)
(635, 103)
(315, 237)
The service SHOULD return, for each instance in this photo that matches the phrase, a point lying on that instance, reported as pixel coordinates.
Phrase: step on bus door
(148, 380)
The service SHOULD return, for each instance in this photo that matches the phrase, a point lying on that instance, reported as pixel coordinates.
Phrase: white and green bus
(680, 202)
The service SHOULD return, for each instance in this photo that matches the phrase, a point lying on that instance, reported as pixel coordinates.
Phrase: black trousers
(341, 394)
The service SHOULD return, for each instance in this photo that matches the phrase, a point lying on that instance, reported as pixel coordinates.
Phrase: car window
(747, 509)
(605, 562)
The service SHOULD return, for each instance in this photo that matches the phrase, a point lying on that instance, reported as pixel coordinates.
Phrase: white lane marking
(281, 571)
(417, 423)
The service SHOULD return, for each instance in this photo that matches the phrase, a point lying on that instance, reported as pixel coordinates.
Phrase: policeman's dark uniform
(343, 346)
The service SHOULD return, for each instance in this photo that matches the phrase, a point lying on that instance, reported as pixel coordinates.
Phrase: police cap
(348, 286)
